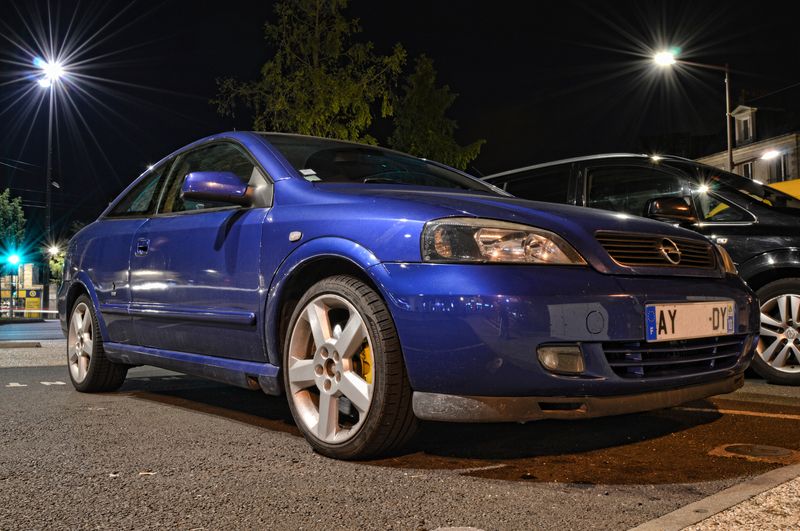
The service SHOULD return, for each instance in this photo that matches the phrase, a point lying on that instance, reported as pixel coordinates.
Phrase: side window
(550, 185)
(713, 208)
(626, 189)
(217, 157)
(141, 201)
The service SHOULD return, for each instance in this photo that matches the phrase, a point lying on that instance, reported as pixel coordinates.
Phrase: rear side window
(141, 201)
(551, 186)
(217, 157)
(627, 189)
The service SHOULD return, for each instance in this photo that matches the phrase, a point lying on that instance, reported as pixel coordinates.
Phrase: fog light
(564, 359)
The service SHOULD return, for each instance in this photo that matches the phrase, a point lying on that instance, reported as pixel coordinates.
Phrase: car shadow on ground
(667, 446)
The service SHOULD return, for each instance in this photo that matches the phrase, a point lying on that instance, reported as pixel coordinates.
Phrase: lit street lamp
(667, 58)
(767, 155)
(51, 73)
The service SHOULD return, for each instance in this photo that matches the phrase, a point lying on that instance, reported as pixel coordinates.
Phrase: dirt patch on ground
(668, 446)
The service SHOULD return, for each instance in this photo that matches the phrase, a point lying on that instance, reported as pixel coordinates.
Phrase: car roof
(585, 158)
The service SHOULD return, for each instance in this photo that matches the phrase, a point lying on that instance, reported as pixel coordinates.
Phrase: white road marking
(52, 383)
(738, 412)
(15, 384)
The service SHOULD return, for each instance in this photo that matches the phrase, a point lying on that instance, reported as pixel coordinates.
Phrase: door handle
(142, 246)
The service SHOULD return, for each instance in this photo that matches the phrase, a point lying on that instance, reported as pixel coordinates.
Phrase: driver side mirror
(670, 209)
(219, 186)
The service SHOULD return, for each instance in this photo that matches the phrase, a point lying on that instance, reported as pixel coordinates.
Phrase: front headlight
(486, 240)
(727, 262)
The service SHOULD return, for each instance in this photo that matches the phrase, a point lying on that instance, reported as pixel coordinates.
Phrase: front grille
(639, 359)
(630, 250)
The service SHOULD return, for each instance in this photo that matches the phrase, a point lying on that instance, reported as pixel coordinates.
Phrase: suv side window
(216, 157)
(713, 208)
(550, 185)
(628, 188)
(141, 201)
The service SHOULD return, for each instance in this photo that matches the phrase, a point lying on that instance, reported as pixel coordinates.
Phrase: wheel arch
(82, 285)
(771, 266)
(308, 264)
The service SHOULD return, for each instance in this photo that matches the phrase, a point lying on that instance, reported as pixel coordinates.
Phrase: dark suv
(758, 225)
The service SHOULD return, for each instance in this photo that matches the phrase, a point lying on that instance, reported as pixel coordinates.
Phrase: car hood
(562, 219)
(392, 210)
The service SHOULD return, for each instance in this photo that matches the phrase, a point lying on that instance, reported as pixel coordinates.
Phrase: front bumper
(473, 330)
(455, 408)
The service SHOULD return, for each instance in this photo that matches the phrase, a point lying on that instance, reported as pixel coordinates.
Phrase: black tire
(100, 374)
(389, 421)
(790, 374)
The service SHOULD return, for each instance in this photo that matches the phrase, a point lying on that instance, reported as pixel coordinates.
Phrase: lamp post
(667, 59)
(51, 74)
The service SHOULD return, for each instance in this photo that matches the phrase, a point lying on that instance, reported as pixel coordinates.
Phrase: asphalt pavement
(173, 451)
(47, 330)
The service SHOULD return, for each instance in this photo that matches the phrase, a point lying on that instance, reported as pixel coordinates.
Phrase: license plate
(666, 322)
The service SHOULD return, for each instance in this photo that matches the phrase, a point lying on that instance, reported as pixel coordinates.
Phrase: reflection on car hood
(559, 218)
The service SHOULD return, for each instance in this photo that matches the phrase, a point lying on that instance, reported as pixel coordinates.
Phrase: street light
(664, 58)
(668, 58)
(52, 72)
(53, 250)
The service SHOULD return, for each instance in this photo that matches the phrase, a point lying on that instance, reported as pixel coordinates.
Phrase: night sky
(538, 80)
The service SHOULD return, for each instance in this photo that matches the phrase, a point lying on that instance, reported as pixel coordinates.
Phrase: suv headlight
(486, 240)
(727, 262)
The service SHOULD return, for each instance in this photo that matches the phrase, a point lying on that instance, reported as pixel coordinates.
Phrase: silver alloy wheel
(79, 342)
(779, 344)
(322, 369)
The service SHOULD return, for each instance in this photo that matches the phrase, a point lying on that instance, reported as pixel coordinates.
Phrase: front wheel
(777, 358)
(344, 373)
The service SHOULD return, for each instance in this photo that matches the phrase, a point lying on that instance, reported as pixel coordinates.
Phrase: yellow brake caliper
(366, 363)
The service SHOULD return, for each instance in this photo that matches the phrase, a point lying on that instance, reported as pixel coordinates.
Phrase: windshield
(730, 184)
(333, 161)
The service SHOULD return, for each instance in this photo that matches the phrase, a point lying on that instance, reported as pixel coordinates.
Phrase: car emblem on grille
(669, 250)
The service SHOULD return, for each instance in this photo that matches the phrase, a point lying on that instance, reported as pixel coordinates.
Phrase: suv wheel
(344, 374)
(777, 357)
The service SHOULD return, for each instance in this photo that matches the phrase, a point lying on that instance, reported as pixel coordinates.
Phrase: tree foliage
(422, 127)
(12, 220)
(319, 81)
(56, 263)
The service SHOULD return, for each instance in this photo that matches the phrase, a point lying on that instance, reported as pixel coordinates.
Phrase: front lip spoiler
(457, 408)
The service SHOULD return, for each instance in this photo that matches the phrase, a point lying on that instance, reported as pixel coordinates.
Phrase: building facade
(759, 153)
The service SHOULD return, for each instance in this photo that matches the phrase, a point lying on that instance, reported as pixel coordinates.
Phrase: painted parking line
(53, 383)
(740, 412)
(16, 384)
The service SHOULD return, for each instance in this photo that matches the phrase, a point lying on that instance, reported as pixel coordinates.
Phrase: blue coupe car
(374, 289)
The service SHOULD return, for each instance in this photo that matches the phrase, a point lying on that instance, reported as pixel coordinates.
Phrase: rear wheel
(89, 369)
(344, 373)
(777, 357)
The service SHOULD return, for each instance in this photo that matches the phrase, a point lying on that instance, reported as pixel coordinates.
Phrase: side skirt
(246, 374)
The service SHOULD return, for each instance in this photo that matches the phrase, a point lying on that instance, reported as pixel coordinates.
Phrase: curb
(725, 499)
(20, 344)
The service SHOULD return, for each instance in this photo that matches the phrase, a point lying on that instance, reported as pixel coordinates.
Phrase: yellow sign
(32, 303)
